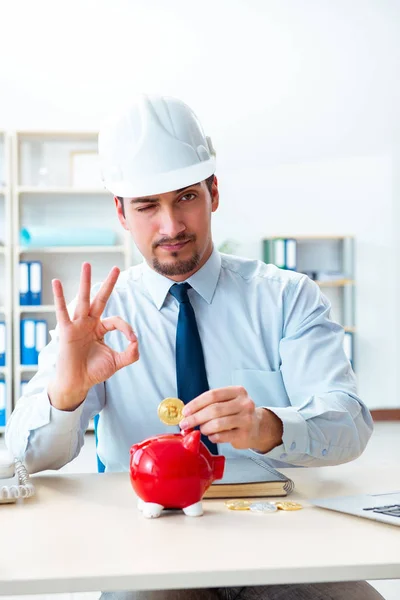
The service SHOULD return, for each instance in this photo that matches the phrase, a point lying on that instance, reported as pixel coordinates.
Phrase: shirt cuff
(295, 434)
(46, 414)
(65, 420)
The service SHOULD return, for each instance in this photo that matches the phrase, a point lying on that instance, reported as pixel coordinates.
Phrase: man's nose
(170, 225)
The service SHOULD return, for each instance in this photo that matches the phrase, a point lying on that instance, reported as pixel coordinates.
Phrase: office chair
(100, 467)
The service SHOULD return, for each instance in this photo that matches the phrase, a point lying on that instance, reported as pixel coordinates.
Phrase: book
(249, 477)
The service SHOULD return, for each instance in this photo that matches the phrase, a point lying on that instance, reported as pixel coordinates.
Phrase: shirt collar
(204, 281)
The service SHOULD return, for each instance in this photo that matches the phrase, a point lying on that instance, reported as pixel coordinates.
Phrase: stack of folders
(281, 252)
(3, 396)
(249, 477)
(34, 333)
(2, 344)
(30, 283)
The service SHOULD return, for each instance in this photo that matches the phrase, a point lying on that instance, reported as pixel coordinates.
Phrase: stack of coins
(262, 505)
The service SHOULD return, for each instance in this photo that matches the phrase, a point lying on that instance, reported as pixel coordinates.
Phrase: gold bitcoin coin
(170, 411)
(238, 504)
(288, 505)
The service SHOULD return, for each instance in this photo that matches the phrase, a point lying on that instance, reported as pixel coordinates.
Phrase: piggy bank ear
(191, 441)
(134, 448)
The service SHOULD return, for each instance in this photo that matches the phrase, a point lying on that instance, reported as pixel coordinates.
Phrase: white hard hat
(154, 147)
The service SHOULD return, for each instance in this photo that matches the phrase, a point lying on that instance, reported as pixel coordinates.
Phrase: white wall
(300, 97)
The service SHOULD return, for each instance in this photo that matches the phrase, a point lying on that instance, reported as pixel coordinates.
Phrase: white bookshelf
(27, 369)
(117, 249)
(43, 308)
(6, 265)
(330, 254)
(47, 191)
(57, 184)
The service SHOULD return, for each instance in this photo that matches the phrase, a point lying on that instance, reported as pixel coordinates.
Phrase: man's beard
(181, 267)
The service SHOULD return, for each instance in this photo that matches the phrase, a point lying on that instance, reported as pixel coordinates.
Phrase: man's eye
(188, 197)
(145, 208)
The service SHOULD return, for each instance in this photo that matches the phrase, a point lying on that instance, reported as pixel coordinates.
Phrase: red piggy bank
(173, 471)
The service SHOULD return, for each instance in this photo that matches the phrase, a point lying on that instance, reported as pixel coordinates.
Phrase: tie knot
(179, 291)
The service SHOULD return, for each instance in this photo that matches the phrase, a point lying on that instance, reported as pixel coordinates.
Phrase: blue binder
(28, 342)
(3, 397)
(40, 336)
(35, 282)
(2, 344)
(24, 296)
(100, 466)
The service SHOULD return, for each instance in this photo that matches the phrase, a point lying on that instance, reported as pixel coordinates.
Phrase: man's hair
(209, 181)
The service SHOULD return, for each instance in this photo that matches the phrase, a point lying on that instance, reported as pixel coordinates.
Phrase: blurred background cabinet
(329, 261)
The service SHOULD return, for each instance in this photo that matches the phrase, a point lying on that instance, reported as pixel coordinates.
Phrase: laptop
(378, 507)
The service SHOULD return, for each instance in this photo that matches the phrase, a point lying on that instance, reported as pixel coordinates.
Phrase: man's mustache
(178, 240)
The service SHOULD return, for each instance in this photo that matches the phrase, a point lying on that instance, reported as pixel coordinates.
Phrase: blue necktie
(191, 376)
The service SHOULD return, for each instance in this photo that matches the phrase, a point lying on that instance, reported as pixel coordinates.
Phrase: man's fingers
(99, 302)
(128, 356)
(223, 424)
(83, 303)
(211, 412)
(131, 354)
(60, 304)
(212, 397)
(116, 323)
(233, 437)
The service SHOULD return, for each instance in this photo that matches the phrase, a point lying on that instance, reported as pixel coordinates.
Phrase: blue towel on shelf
(36, 237)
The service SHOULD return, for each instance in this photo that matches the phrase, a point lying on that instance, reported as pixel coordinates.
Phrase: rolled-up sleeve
(326, 423)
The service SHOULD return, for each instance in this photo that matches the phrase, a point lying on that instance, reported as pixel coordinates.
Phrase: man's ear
(121, 212)
(214, 195)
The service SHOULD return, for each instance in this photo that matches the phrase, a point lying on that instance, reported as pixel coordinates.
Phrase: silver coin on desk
(263, 507)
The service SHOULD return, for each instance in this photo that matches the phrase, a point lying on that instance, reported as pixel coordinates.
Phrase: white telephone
(14, 479)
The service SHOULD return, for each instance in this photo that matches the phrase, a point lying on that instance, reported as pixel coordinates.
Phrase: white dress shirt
(266, 329)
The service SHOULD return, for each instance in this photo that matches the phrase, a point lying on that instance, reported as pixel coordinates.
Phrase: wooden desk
(84, 533)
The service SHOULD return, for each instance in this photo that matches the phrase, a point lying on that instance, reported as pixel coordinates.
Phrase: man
(250, 348)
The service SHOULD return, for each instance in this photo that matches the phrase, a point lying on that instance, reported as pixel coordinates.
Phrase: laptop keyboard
(393, 510)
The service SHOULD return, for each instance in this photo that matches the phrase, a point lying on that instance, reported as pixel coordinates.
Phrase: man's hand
(229, 415)
(84, 359)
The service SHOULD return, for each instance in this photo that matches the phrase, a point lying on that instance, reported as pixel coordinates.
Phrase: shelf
(3, 191)
(3, 370)
(336, 283)
(305, 238)
(71, 249)
(27, 368)
(2, 250)
(2, 428)
(57, 134)
(25, 189)
(38, 308)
